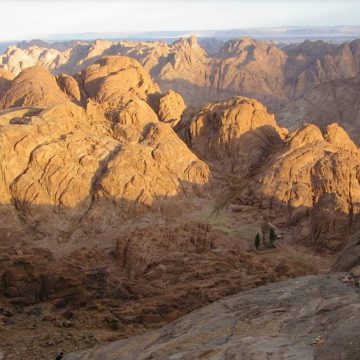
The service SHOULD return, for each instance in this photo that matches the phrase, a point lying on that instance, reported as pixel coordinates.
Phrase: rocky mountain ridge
(241, 67)
(118, 203)
(291, 80)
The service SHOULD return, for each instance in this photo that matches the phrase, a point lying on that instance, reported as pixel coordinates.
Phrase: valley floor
(166, 290)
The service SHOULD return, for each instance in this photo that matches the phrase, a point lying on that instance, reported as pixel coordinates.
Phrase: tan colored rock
(142, 175)
(64, 166)
(15, 58)
(5, 81)
(171, 108)
(33, 87)
(132, 119)
(337, 136)
(238, 134)
(305, 135)
(318, 174)
(69, 86)
(265, 71)
(114, 78)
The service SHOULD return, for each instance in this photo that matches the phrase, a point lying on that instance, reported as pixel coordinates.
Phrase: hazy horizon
(24, 20)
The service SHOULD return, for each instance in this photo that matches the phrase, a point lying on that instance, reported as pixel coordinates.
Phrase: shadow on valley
(195, 95)
(125, 251)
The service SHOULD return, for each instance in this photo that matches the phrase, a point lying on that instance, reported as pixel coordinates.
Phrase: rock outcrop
(65, 165)
(114, 78)
(70, 87)
(35, 86)
(5, 81)
(107, 205)
(238, 134)
(171, 108)
(349, 259)
(305, 318)
(314, 177)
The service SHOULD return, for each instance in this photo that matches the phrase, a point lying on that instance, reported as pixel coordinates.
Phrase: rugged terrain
(330, 101)
(278, 321)
(294, 81)
(122, 209)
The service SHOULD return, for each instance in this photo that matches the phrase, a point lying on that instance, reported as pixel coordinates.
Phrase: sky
(26, 19)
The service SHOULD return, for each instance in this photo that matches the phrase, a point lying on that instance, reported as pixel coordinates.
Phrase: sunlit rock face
(171, 108)
(315, 177)
(69, 165)
(236, 134)
(113, 79)
(35, 86)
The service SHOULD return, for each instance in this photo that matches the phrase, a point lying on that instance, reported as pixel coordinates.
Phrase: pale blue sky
(29, 19)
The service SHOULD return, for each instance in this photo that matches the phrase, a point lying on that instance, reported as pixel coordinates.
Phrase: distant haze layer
(284, 34)
(42, 19)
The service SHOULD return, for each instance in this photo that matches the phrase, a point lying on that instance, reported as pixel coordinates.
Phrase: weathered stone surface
(104, 201)
(349, 259)
(238, 134)
(65, 166)
(332, 101)
(132, 119)
(33, 87)
(15, 59)
(5, 81)
(144, 248)
(69, 86)
(171, 108)
(313, 175)
(113, 78)
(305, 318)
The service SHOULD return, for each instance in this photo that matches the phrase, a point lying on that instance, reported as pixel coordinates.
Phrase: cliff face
(5, 81)
(33, 87)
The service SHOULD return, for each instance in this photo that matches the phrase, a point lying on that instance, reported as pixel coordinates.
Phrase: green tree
(272, 237)
(257, 240)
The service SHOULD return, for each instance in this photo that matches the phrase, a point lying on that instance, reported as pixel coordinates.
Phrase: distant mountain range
(286, 34)
(293, 80)
(262, 32)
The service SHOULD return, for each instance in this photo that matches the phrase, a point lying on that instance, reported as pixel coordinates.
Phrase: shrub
(272, 237)
(257, 240)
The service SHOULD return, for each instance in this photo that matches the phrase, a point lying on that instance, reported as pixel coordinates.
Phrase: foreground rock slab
(314, 317)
